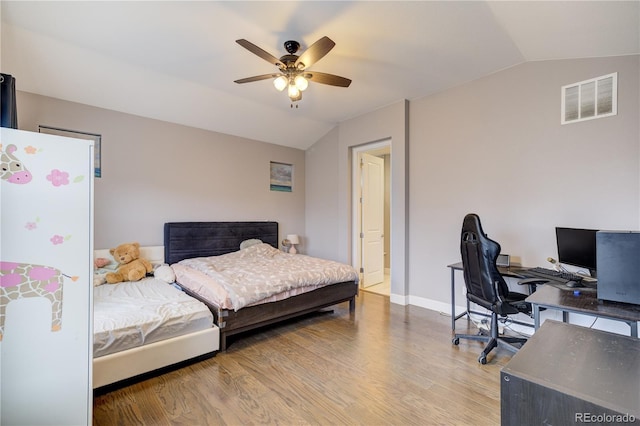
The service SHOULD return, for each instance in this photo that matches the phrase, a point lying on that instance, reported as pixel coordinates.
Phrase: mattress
(133, 314)
(257, 274)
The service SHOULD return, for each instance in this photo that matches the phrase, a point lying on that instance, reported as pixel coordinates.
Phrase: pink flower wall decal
(57, 239)
(58, 177)
(31, 226)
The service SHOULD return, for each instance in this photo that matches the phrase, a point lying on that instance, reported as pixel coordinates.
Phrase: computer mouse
(573, 284)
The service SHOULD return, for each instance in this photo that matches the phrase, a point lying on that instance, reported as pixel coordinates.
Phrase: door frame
(356, 245)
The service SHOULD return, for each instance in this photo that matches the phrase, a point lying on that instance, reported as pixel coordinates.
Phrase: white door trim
(355, 195)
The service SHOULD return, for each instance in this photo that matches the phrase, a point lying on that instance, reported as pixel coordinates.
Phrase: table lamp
(293, 240)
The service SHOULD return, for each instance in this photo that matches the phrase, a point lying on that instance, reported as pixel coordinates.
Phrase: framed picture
(97, 141)
(281, 177)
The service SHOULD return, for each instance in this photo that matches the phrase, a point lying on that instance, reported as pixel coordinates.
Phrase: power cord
(507, 322)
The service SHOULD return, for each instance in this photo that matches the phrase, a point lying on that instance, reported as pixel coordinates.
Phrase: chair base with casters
(493, 340)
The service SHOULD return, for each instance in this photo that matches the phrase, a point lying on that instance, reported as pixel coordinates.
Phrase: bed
(189, 240)
(146, 325)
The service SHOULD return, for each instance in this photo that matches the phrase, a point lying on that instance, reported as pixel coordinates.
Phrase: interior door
(372, 219)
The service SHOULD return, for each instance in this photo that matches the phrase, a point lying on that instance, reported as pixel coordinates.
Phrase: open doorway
(372, 218)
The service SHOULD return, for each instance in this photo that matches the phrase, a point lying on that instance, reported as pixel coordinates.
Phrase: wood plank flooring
(384, 364)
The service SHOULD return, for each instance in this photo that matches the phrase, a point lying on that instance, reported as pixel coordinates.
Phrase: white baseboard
(399, 299)
(434, 305)
(577, 319)
(423, 302)
(445, 309)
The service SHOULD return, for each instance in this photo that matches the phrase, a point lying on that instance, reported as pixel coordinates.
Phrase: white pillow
(99, 279)
(165, 273)
(249, 243)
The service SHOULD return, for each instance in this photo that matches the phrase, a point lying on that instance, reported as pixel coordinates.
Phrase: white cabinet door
(46, 290)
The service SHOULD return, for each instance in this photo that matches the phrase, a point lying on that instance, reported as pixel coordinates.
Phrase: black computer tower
(618, 266)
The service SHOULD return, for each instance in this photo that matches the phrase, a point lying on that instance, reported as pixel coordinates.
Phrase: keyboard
(552, 274)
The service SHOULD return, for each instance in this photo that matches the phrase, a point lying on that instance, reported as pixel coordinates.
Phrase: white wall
(155, 172)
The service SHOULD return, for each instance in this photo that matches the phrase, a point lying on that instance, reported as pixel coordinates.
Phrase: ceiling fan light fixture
(294, 92)
(280, 83)
(295, 99)
(301, 83)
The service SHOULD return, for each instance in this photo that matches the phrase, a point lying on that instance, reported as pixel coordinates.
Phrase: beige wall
(493, 146)
(496, 147)
(329, 187)
(155, 172)
(321, 210)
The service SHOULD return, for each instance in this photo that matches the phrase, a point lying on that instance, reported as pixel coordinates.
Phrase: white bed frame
(118, 366)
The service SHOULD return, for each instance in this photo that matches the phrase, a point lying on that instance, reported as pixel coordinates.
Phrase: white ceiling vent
(589, 99)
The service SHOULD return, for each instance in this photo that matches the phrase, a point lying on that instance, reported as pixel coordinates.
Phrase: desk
(567, 375)
(585, 303)
(455, 267)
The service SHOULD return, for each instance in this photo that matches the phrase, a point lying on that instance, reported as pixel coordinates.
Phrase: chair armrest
(509, 273)
(532, 281)
(501, 306)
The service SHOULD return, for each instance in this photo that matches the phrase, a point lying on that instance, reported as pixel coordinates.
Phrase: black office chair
(486, 286)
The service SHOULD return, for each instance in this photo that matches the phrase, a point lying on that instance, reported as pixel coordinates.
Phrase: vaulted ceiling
(177, 61)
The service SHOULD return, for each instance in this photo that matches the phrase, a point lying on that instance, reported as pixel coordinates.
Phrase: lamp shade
(293, 238)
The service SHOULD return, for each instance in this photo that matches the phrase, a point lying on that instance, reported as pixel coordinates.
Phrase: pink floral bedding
(258, 274)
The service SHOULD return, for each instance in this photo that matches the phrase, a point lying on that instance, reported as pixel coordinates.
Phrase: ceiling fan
(293, 73)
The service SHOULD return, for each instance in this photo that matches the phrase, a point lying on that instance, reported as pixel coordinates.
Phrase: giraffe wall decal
(21, 280)
(11, 168)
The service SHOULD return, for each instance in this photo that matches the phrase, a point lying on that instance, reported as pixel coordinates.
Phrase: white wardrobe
(46, 290)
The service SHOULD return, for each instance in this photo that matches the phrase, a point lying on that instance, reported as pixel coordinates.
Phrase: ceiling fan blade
(315, 52)
(324, 78)
(257, 78)
(262, 53)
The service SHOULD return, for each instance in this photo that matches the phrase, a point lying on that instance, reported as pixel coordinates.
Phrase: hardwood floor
(383, 288)
(385, 364)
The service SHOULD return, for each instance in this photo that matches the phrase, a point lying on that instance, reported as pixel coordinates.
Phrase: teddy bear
(132, 266)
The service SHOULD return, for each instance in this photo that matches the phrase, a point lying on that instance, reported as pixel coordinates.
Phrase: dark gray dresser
(566, 374)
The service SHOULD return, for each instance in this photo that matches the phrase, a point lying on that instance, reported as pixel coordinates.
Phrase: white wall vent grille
(589, 99)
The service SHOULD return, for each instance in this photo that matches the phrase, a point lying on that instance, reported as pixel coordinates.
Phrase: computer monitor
(577, 247)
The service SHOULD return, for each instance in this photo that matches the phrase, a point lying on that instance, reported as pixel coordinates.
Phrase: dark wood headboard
(186, 240)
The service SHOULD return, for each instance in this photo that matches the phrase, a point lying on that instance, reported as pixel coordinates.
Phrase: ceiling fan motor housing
(289, 61)
(291, 46)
